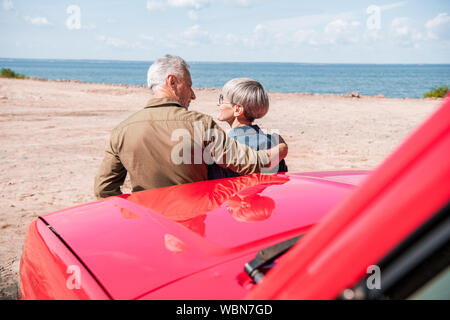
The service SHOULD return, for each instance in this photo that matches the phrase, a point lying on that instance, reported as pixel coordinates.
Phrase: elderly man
(147, 145)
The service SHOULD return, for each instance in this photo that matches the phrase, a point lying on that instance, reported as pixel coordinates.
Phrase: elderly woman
(242, 101)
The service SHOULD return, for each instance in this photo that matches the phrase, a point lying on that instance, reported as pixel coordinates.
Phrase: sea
(390, 80)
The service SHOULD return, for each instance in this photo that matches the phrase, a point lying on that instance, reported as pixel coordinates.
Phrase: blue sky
(413, 31)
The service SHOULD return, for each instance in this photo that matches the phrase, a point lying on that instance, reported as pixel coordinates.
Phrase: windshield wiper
(266, 257)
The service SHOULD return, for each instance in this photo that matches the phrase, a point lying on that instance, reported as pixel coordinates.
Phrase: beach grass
(8, 73)
(437, 92)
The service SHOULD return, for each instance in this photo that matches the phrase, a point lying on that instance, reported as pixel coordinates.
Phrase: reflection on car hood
(137, 243)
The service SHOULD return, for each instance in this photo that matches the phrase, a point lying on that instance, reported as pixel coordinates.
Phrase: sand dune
(53, 134)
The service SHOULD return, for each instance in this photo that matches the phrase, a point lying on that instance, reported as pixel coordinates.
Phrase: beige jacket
(165, 144)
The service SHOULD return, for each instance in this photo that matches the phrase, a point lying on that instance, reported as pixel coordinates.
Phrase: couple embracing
(143, 145)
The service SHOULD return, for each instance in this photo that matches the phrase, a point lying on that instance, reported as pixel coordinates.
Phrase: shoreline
(354, 94)
(252, 61)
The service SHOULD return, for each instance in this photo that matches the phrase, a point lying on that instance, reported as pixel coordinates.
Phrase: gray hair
(161, 68)
(250, 94)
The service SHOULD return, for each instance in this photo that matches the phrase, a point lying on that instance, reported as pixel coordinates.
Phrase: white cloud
(89, 26)
(37, 21)
(194, 36)
(260, 36)
(191, 4)
(192, 15)
(403, 33)
(230, 39)
(341, 31)
(305, 22)
(296, 31)
(372, 35)
(111, 20)
(113, 42)
(146, 37)
(259, 28)
(400, 27)
(438, 27)
(153, 5)
(305, 31)
(393, 5)
(242, 3)
(308, 37)
(8, 5)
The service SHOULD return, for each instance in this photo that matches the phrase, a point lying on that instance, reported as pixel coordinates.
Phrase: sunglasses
(221, 100)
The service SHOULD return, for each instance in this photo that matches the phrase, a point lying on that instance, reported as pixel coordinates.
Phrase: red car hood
(135, 244)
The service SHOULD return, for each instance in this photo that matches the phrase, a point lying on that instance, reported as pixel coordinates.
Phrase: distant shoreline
(352, 95)
(246, 62)
(393, 80)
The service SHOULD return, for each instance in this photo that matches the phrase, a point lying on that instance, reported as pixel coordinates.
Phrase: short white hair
(161, 68)
(250, 94)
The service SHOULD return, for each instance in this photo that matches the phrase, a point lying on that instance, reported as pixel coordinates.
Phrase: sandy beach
(53, 135)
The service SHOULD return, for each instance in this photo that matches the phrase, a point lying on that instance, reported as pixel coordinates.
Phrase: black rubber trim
(430, 241)
(267, 256)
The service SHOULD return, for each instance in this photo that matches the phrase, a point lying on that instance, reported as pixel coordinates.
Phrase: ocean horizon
(390, 80)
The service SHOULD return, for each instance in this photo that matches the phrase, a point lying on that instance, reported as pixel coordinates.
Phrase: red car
(328, 235)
